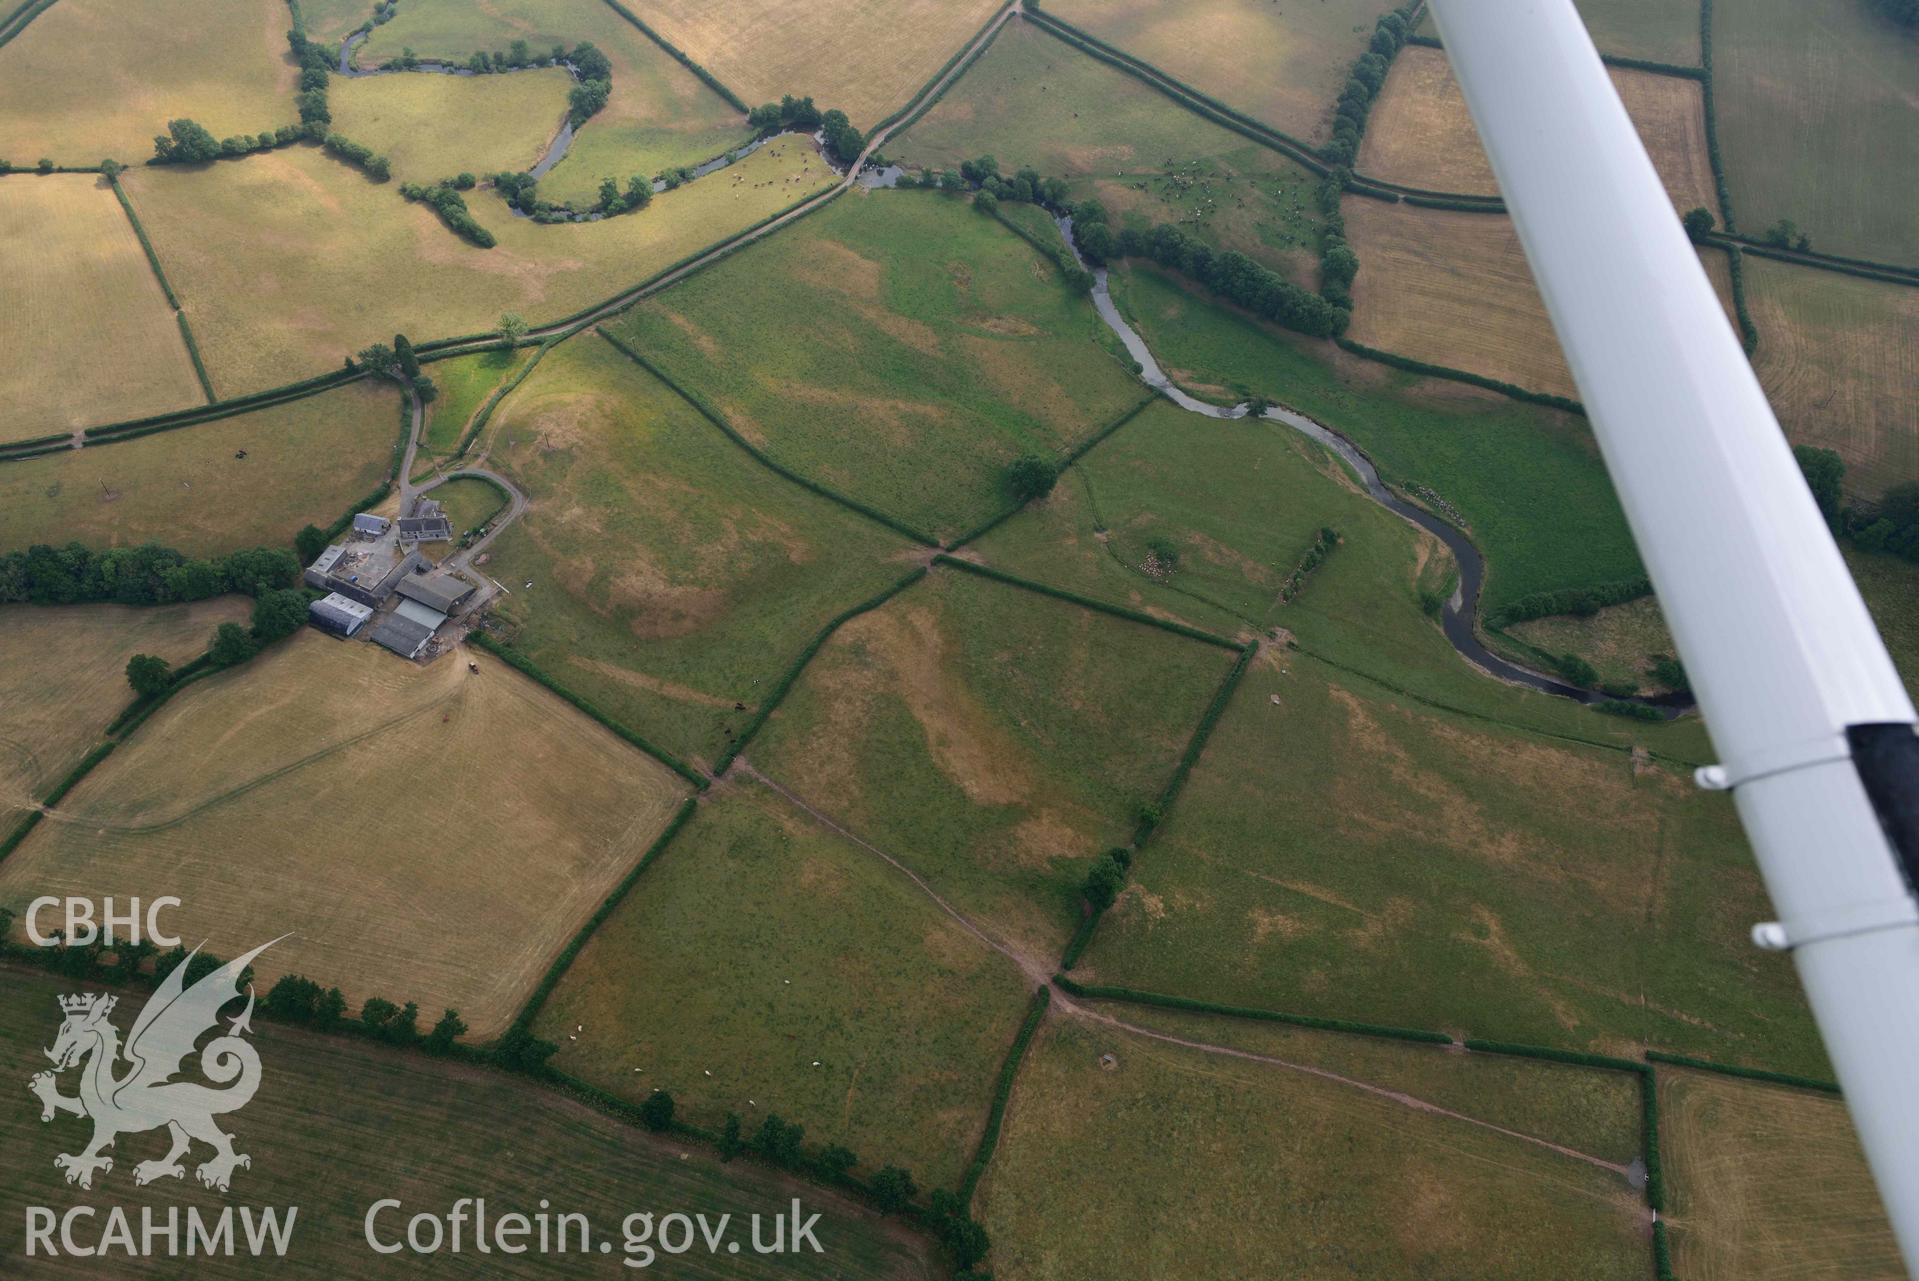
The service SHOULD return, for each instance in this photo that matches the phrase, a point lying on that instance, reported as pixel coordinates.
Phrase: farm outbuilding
(441, 592)
(335, 613)
(403, 636)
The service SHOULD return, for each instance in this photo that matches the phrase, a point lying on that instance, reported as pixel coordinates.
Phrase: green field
(340, 1124)
(906, 379)
(1591, 1111)
(318, 736)
(1768, 1184)
(80, 290)
(1196, 1165)
(330, 20)
(1527, 480)
(188, 489)
(1338, 853)
(369, 264)
(658, 116)
(434, 126)
(1818, 106)
(89, 79)
(1659, 30)
(463, 383)
(1838, 362)
(63, 678)
(765, 965)
(1031, 100)
(660, 571)
(470, 503)
(1281, 65)
(993, 740)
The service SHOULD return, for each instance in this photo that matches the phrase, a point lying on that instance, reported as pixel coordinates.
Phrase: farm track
(1040, 972)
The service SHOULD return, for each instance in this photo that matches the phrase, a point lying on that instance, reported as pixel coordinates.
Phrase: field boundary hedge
(1720, 187)
(536, 1000)
(706, 77)
(1003, 1093)
(1202, 733)
(193, 354)
(1410, 365)
(1764, 1075)
(1087, 602)
(1736, 271)
(1134, 996)
(1881, 273)
(9, 28)
(500, 393)
(969, 53)
(146, 245)
(1078, 452)
(779, 469)
(527, 667)
(1610, 59)
(791, 676)
(55, 794)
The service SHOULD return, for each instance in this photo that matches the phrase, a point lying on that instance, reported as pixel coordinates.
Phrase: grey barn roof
(402, 635)
(436, 591)
(368, 523)
(425, 615)
(336, 613)
(425, 529)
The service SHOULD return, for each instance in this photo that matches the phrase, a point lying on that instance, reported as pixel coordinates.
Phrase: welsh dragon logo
(144, 1096)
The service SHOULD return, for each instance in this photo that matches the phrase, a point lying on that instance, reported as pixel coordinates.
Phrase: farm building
(367, 525)
(339, 615)
(428, 523)
(402, 635)
(441, 593)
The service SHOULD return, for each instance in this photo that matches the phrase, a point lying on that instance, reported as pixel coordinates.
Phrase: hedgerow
(193, 354)
(564, 961)
(1736, 269)
(1136, 997)
(1746, 1073)
(706, 77)
(1578, 1058)
(527, 667)
(1086, 602)
(805, 482)
(1881, 272)
(32, 9)
(1413, 366)
(1649, 1139)
(1363, 83)
(146, 245)
(784, 686)
(447, 202)
(1078, 451)
(1197, 743)
(1003, 1092)
(1721, 188)
(1458, 204)
(221, 409)
(1322, 546)
(898, 117)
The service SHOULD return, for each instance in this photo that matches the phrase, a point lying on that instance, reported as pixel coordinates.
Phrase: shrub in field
(1030, 477)
(148, 674)
(185, 142)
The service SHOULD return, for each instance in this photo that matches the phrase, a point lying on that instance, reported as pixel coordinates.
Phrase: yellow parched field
(289, 261)
(1421, 134)
(1280, 61)
(434, 126)
(425, 834)
(1454, 289)
(1767, 1183)
(89, 79)
(1839, 361)
(63, 679)
(868, 60)
(190, 490)
(89, 336)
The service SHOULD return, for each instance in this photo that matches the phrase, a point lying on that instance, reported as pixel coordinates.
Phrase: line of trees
(1362, 86)
(1234, 277)
(145, 575)
(361, 157)
(842, 139)
(446, 201)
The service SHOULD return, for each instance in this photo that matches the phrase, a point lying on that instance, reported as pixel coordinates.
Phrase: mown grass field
(335, 765)
(289, 261)
(1767, 1183)
(470, 503)
(89, 335)
(765, 965)
(186, 488)
(1527, 481)
(1454, 289)
(896, 346)
(433, 126)
(1819, 122)
(1281, 65)
(464, 384)
(993, 740)
(1654, 29)
(339, 1124)
(659, 115)
(94, 79)
(1032, 100)
(1190, 1164)
(63, 678)
(660, 571)
(1589, 1111)
(1839, 363)
(1339, 853)
(866, 60)
(1421, 134)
